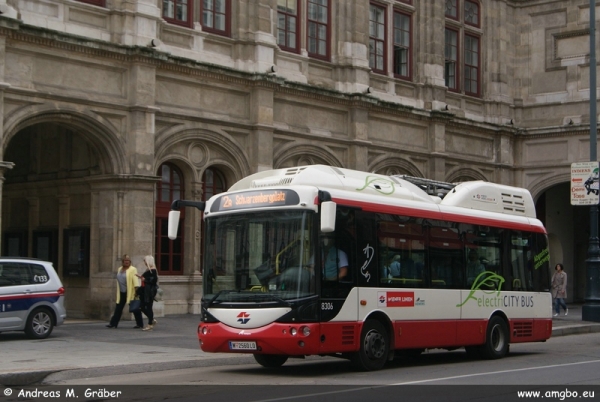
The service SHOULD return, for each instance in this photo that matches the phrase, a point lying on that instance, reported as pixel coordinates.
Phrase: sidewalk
(572, 323)
(86, 348)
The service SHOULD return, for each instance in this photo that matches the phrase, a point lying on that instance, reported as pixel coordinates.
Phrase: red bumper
(275, 338)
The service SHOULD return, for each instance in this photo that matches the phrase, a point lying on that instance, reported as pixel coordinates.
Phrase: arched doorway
(48, 204)
(568, 230)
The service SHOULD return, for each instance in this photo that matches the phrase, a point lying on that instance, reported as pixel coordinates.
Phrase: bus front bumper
(280, 339)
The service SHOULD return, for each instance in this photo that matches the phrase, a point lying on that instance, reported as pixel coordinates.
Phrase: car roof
(24, 259)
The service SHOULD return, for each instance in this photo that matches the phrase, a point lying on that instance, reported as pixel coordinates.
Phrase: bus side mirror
(328, 216)
(173, 224)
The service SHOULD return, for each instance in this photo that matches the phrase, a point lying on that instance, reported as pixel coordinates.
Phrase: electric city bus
(319, 260)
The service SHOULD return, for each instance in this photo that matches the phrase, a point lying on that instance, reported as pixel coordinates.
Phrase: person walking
(559, 289)
(127, 285)
(148, 291)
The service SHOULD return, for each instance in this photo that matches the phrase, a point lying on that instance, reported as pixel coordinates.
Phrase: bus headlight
(293, 331)
(305, 331)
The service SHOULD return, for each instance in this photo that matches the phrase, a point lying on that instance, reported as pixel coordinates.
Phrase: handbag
(134, 305)
(159, 294)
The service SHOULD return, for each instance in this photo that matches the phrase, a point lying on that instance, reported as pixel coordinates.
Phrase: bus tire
(496, 339)
(39, 324)
(374, 347)
(270, 361)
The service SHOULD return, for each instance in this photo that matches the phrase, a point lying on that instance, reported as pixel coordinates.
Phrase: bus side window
(408, 268)
(440, 269)
(445, 250)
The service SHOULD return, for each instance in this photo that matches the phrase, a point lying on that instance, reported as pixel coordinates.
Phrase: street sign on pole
(584, 183)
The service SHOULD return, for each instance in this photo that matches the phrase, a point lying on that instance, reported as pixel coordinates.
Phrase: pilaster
(261, 110)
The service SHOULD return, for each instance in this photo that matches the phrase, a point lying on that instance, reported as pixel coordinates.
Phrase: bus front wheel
(374, 347)
(496, 340)
(270, 361)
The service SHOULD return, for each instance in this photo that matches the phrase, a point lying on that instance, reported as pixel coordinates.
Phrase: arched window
(169, 254)
(213, 182)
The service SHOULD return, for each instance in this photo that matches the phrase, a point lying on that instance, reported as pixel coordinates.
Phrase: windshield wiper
(215, 297)
(252, 296)
(277, 298)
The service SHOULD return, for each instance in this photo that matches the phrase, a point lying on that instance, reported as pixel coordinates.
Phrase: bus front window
(251, 255)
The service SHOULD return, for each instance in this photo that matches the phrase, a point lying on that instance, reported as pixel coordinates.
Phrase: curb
(27, 378)
(575, 329)
(43, 376)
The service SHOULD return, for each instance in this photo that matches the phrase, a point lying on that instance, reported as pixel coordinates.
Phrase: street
(572, 360)
(566, 365)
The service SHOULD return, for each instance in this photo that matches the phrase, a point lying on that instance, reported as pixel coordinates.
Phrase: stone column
(504, 147)
(33, 202)
(194, 257)
(429, 32)
(4, 166)
(64, 209)
(257, 20)
(193, 217)
(350, 38)
(135, 22)
(261, 112)
(359, 132)
(121, 222)
(437, 139)
(141, 130)
(498, 73)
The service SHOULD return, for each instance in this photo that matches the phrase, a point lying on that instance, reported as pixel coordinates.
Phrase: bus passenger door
(366, 258)
(367, 265)
(335, 290)
(340, 299)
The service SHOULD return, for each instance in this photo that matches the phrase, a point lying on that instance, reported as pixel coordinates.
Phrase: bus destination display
(256, 199)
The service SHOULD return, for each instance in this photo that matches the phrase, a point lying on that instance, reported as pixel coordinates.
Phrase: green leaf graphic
(491, 280)
(385, 186)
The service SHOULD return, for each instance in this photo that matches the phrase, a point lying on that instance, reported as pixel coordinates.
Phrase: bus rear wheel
(496, 340)
(374, 347)
(270, 361)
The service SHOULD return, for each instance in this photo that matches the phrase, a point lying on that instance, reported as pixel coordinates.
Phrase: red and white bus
(319, 260)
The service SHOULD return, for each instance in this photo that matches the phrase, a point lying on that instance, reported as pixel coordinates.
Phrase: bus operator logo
(396, 299)
(243, 317)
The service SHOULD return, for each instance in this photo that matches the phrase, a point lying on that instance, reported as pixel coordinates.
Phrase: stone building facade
(110, 108)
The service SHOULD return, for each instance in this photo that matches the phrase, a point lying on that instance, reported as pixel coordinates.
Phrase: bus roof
(475, 195)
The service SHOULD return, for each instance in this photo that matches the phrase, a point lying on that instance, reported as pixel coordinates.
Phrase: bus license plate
(242, 345)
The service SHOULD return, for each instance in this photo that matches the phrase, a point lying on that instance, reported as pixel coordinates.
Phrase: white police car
(31, 297)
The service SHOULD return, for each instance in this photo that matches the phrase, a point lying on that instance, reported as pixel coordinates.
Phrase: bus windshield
(259, 257)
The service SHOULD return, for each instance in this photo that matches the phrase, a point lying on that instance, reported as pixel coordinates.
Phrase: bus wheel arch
(375, 344)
